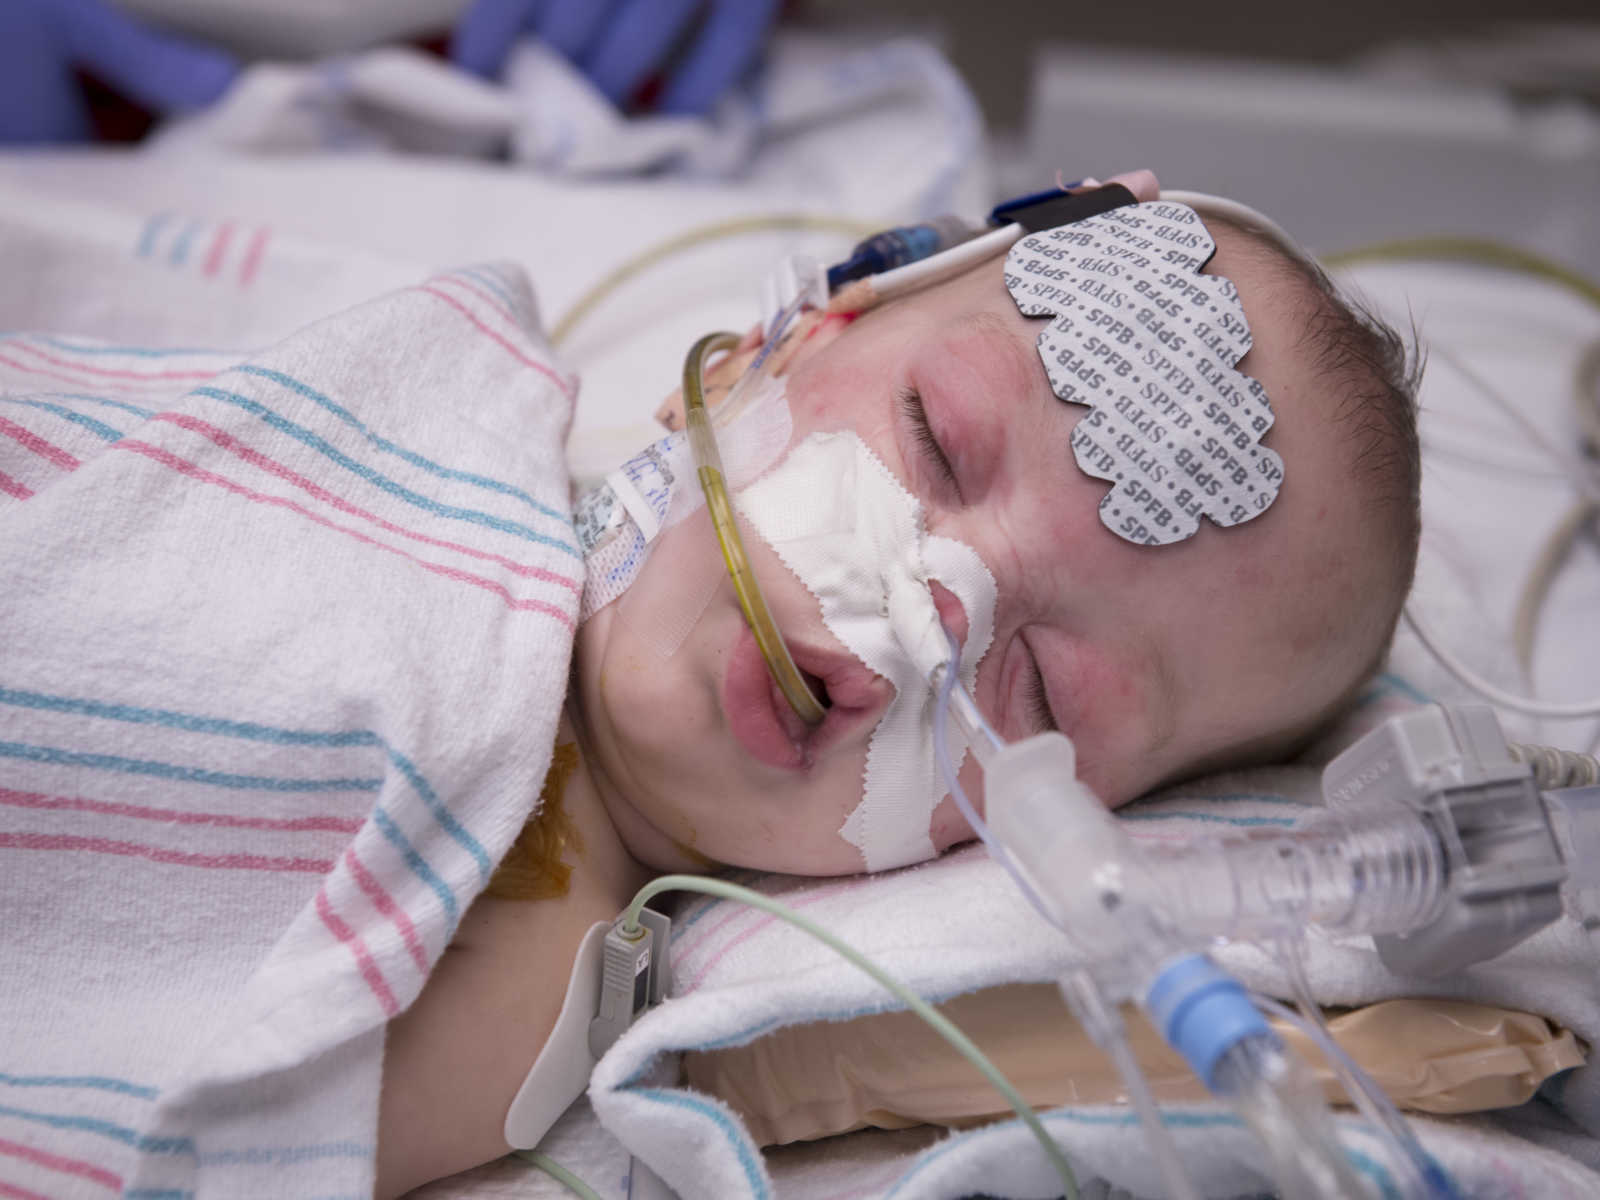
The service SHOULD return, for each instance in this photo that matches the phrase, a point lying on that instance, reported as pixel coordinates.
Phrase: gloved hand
(619, 43)
(42, 40)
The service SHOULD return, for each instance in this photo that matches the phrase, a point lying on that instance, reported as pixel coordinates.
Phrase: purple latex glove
(41, 41)
(620, 43)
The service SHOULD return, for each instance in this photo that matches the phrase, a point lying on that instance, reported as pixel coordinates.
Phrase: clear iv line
(985, 744)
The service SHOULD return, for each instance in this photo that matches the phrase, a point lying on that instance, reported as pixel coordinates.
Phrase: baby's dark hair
(1373, 373)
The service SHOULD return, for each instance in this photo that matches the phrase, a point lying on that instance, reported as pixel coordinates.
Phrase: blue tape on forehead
(1150, 346)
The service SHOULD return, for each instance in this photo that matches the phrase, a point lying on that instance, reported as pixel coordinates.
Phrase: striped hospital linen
(283, 643)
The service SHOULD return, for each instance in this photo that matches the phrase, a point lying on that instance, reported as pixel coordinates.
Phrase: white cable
(1547, 564)
(915, 276)
(1586, 481)
(1580, 474)
(941, 1024)
(1203, 202)
(1559, 710)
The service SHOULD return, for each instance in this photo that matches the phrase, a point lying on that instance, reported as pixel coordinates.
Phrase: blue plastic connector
(1202, 1012)
(895, 248)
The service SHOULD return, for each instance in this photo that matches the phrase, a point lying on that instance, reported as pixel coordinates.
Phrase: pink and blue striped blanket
(284, 637)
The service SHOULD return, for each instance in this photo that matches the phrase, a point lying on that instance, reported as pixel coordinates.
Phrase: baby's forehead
(994, 336)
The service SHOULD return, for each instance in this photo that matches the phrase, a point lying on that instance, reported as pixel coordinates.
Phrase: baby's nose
(952, 615)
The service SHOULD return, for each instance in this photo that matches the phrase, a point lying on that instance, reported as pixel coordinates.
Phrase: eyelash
(1039, 701)
(911, 405)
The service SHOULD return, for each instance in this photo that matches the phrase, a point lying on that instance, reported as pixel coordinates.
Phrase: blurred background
(1467, 40)
(1366, 120)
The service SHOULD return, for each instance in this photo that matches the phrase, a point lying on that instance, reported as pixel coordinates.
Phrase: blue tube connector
(1202, 1012)
(896, 247)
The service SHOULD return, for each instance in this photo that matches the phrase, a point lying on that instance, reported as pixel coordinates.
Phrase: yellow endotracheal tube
(702, 440)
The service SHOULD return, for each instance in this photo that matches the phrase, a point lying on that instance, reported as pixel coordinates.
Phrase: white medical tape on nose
(656, 488)
(1150, 346)
(839, 519)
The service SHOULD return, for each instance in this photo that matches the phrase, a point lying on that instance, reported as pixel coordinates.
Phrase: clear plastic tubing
(1277, 1100)
(1357, 871)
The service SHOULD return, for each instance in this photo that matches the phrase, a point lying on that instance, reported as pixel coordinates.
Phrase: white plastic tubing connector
(1373, 870)
(1085, 869)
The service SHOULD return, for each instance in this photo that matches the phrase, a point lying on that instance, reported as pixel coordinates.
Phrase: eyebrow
(1023, 354)
(1023, 368)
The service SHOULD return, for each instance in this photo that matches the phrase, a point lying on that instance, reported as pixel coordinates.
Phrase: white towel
(283, 641)
(815, 99)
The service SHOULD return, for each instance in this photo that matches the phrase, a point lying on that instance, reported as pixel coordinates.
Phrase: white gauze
(839, 519)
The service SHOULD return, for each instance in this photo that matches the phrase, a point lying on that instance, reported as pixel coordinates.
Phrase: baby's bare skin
(454, 1060)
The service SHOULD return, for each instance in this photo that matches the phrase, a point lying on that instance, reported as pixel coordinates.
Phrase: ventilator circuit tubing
(1101, 1020)
(1374, 870)
(1134, 911)
(1421, 1176)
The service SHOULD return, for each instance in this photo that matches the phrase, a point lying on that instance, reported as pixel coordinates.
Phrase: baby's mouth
(799, 732)
(762, 721)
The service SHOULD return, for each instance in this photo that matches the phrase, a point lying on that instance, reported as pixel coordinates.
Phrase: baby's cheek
(825, 396)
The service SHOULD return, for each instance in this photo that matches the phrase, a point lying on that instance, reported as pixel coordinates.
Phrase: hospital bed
(1492, 502)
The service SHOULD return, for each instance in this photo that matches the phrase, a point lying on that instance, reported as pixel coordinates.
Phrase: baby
(1230, 647)
(286, 635)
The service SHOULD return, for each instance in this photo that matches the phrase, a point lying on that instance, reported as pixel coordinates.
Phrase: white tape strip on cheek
(1150, 345)
(839, 519)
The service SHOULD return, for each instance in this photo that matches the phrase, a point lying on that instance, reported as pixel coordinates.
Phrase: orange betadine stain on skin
(702, 863)
(533, 868)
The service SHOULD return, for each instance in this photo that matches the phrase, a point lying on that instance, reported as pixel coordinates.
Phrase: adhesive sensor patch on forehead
(1151, 347)
(841, 521)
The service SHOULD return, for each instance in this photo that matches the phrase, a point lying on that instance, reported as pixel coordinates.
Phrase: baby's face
(1156, 661)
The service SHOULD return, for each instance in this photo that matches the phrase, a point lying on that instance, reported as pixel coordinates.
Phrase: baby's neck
(602, 866)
